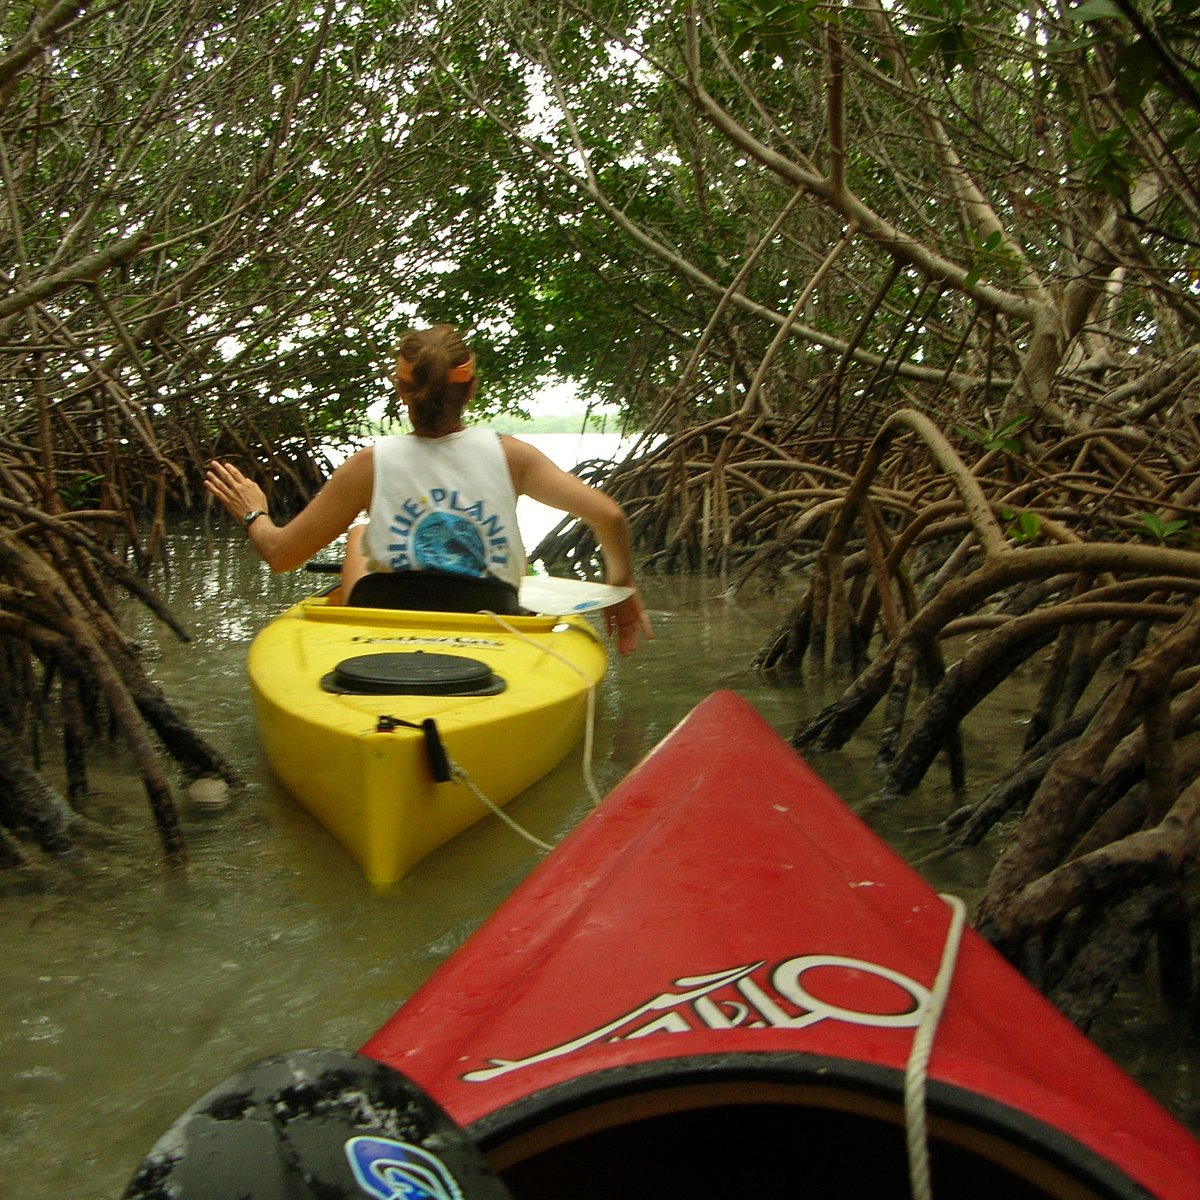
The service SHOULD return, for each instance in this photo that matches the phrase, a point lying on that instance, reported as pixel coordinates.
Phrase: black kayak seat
(435, 591)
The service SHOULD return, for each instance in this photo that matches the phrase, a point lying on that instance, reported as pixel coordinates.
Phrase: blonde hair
(435, 370)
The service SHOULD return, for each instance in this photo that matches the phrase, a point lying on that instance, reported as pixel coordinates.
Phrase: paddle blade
(315, 1125)
(551, 595)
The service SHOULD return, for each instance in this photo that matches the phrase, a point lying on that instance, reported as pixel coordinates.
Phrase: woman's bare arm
(536, 476)
(329, 514)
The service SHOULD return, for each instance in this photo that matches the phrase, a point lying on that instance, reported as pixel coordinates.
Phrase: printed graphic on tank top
(445, 504)
(445, 532)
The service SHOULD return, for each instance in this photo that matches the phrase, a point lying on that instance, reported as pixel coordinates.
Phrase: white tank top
(444, 504)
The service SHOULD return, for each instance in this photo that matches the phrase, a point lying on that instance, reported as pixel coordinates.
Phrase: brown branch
(83, 271)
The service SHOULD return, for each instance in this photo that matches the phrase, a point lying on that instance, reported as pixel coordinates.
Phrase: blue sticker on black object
(392, 1170)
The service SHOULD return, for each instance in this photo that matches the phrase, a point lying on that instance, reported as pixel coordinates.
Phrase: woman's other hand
(628, 622)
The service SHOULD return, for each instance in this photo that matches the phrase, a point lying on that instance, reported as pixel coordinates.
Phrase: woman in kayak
(441, 499)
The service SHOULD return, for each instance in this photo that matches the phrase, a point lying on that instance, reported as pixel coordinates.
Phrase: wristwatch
(252, 516)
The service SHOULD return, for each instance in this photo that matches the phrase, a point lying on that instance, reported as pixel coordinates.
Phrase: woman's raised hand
(239, 494)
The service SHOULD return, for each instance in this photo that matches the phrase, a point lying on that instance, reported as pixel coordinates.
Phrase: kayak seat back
(435, 591)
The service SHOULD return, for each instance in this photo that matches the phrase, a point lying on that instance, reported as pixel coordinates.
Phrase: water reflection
(125, 993)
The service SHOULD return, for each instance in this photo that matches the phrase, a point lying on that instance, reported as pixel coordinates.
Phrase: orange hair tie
(463, 373)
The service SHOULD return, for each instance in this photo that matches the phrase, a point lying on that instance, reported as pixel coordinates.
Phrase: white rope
(917, 1070)
(589, 728)
(461, 776)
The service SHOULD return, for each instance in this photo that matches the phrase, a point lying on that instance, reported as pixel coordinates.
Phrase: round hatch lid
(412, 673)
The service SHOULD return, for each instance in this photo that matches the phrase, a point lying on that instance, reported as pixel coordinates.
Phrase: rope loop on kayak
(459, 775)
(444, 769)
(917, 1070)
(589, 728)
(462, 777)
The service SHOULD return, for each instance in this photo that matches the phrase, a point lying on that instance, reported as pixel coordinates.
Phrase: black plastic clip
(435, 751)
(439, 760)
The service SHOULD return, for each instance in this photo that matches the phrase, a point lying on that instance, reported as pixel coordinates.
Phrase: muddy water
(126, 993)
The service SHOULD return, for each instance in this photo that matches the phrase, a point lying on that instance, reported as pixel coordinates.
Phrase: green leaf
(1105, 159)
(1159, 529)
(991, 438)
(777, 29)
(1094, 10)
(1137, 71)
(1027, 527)
(1186, 139)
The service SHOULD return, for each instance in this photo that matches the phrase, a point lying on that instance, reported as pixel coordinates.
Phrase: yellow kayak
(379, 720)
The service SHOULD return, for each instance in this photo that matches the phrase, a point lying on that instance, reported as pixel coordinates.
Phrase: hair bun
(436, 368)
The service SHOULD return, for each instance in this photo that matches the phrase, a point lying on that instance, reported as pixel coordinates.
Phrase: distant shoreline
(578, 423)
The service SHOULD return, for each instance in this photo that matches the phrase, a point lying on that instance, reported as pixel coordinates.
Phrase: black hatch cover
(412, 673)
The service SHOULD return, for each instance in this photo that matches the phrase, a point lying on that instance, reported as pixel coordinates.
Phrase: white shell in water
(208, 792)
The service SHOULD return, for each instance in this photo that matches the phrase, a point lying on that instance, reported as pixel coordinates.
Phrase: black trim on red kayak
(705, 1109)
(319, 1124)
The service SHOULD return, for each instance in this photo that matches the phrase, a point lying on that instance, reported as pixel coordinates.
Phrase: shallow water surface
(125, 992)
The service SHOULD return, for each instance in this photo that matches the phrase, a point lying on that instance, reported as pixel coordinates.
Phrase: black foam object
(315, 1125)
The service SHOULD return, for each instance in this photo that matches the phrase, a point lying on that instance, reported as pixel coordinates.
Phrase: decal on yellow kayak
(422, 639)
(866, 992)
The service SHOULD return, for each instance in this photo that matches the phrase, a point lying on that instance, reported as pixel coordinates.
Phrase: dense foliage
(913, 285)
(218, 215)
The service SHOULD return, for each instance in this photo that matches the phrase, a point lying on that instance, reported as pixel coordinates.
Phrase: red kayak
(713, 987)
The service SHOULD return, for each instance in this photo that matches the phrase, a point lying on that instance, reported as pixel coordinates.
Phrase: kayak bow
(385, 723)
(714, 983)
(712, 987)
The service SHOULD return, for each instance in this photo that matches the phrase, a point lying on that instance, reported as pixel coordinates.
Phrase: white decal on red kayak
(697, 1006)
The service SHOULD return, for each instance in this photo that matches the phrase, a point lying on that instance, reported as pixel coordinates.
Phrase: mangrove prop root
(1114, 947)
(28, 804)
(1049, 824)
(55, 604)
(1098, 788)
